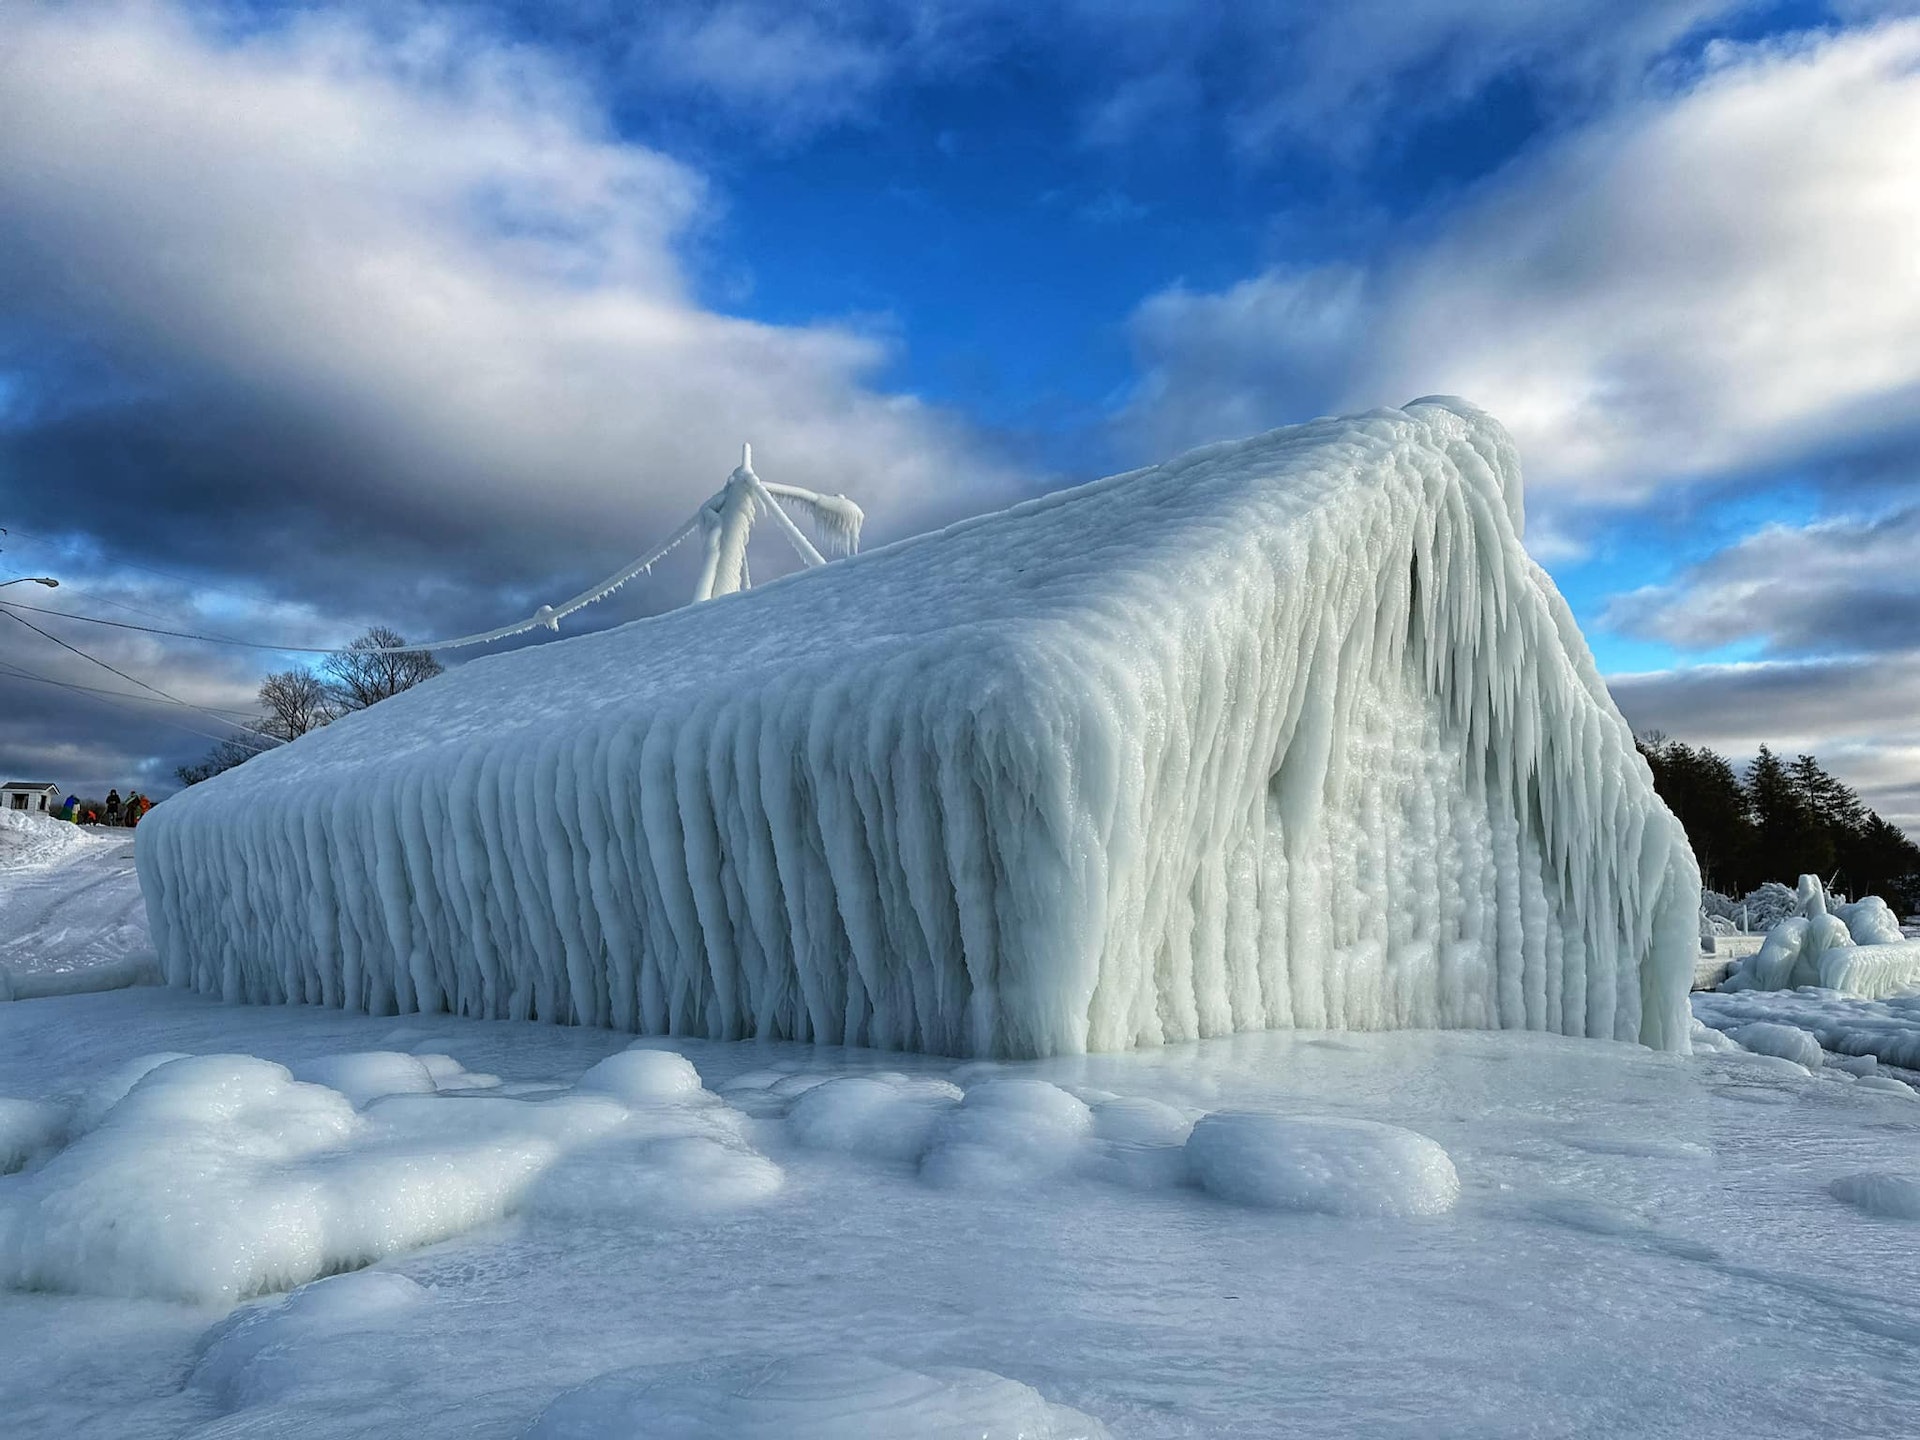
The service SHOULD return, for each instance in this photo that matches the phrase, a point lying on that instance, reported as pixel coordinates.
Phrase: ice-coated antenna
(727, 519)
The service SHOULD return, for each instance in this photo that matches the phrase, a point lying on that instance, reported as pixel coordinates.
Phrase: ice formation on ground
(212, 1178)
(823, 1397)
(1854, 949)
(1287, 732)
(1335, 1167)
(1878, 1192)
(263, 1353)
(1886, 1030)
(1787, 1042)
(1616, 1203)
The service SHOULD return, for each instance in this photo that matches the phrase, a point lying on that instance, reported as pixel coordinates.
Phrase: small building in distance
(41, 799)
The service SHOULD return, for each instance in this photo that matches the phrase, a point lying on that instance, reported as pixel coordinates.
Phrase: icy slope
(1288, 732)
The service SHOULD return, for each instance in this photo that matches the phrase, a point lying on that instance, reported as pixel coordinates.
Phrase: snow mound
(269, 1351)
(215, 1178)
(28, 1130)
(1288, 732)
(1788, 1042)
(28, 839)
(367, 1075)
(1008, 1134)
(1335, 1167)
(1876, 1192)
(644, 1077)
(883, 1117)
(815, 1398)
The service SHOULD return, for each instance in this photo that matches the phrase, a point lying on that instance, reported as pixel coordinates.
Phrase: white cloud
(1846, 585)
(1701, 282)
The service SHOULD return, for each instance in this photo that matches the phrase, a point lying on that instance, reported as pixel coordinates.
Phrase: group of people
(112, 811)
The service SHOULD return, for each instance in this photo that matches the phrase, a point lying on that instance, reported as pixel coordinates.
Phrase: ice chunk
(815, 1398)
(1788, 1042)
(885, 1117)
(268, 1351)
(1288, 732)
(1338, 1167)
(1879, 1192)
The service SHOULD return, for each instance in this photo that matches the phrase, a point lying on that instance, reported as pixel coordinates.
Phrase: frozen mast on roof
(1287, 732)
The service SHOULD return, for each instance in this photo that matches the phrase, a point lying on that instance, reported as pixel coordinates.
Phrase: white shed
(41, 799)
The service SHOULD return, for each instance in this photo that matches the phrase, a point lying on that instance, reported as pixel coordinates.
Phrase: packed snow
(1288, 732)
(71, 911)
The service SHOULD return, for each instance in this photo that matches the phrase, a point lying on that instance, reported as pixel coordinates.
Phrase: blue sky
(351, 314)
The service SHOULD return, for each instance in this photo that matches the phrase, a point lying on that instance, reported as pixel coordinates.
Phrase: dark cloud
(356, 323)
(1861, 716)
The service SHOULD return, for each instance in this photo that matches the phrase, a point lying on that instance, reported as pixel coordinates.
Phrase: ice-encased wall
(1286, 732)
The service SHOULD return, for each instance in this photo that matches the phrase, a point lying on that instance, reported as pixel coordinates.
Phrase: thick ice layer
(1288, 732)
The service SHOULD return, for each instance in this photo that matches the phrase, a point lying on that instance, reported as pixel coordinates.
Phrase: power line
(131, 679)
(124, 701)
(155, 630)
(247, 716)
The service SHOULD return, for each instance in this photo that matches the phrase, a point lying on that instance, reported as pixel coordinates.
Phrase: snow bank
(217, 1177)
(827, 1397)
(1334, 1167)
(1288, 732)
(31, 840)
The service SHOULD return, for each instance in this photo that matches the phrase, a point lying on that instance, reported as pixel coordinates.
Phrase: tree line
(1779, 821)
(297, 701)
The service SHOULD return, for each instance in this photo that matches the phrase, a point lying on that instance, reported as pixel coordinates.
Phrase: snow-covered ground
(70, 907)
(573, 1234)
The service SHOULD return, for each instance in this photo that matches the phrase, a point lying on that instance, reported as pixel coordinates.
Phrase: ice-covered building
(1286, 732)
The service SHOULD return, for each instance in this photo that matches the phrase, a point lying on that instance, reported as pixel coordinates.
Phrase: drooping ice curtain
(1284, 732)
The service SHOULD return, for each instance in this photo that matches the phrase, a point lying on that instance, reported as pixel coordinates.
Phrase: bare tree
(361, 675)
(224, 756)
(295, 701)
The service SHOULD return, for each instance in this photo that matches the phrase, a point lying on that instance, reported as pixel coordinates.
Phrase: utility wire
(176, 634)
(115, 697)
(547, 617)
(132, 679)
(246, 716)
